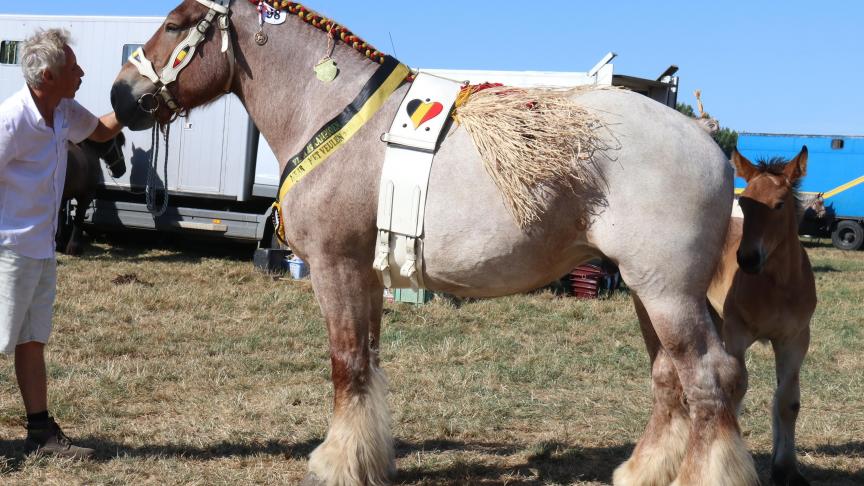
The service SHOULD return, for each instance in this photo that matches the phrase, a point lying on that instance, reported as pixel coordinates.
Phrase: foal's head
(769, 203)
(111, 152)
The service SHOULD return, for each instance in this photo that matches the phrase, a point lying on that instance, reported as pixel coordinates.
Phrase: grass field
(185, 366)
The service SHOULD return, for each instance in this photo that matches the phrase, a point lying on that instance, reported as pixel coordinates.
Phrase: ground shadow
(15, 453)
(825, 269)
(549, 462)
(139, 246)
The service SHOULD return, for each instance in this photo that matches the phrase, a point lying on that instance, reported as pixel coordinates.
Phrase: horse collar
(182, 56)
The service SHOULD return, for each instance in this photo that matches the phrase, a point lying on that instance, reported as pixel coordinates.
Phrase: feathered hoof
(727, 463)
(630, 474)
(312, 480)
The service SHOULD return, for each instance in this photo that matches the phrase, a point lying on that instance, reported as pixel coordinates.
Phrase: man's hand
(107, 128)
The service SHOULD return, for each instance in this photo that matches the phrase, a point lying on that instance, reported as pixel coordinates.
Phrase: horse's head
(111, 152)
(816, 206)
(769, 204)
(188, 62)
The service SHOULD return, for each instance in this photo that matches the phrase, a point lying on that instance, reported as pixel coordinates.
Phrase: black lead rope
(153, 172)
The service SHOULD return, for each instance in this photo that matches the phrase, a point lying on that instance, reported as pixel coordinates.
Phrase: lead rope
(153, 171)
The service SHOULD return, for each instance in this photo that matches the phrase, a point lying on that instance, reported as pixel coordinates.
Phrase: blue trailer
(835, 169)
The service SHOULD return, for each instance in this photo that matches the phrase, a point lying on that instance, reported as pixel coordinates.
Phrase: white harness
(182, 56)
(411, 145)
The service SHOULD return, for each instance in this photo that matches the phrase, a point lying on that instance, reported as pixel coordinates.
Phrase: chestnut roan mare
(764, 289)
(472, 245)
(83, 175)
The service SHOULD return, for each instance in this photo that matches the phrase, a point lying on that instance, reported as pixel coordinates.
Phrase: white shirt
(33, 170)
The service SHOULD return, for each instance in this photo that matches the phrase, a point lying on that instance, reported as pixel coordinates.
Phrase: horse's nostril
(750, 262)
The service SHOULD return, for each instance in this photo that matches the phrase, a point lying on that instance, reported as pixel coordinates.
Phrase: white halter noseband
(182, 56)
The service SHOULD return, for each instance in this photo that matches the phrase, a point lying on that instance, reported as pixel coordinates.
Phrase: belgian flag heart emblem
(421, 112)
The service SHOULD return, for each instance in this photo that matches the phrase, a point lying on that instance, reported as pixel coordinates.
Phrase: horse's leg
(376, 312)
(788, 355)
(358, 449)
(661, 448)
(75, 245)
(715, 453)
(61, 238)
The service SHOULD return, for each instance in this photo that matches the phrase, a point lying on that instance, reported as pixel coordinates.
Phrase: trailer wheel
(848, 235)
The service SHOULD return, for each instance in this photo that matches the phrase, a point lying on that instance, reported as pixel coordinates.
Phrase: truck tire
(848, 235)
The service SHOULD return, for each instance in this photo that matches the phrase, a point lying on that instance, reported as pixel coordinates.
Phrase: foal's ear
(743, 167)
(797, 168)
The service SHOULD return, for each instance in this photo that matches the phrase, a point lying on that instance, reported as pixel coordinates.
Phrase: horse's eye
(779, 205)
(172, 28)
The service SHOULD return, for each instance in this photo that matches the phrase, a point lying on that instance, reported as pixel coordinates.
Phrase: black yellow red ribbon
(335, 133)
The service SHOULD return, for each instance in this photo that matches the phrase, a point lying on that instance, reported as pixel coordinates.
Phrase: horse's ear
(797, 168)
(743, 167)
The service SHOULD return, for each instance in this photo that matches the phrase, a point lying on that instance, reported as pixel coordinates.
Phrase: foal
(83, 175)
(764, 290)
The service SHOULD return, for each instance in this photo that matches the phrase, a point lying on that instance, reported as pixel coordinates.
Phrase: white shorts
(27, 290)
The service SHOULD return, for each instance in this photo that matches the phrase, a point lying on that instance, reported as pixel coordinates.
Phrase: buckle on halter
(203, 26)
(149, 103)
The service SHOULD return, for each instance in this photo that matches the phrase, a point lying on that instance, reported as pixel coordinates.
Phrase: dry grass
(187, 368)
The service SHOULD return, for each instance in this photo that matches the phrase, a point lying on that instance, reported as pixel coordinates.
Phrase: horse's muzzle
(128, 110)
(751, 261)
(117, 169)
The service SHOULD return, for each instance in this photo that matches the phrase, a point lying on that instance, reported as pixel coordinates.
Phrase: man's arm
(107, 128)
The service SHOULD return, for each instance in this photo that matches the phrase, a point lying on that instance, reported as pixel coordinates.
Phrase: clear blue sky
(790, 66)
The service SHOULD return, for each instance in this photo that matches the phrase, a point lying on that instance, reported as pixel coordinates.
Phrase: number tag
(275, 17)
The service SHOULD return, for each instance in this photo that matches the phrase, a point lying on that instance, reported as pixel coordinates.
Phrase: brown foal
(764, 289)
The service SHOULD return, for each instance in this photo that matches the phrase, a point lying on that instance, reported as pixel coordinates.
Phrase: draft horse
(83, 175)
(472, 245)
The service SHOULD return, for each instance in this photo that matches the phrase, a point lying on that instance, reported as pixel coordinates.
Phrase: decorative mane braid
(328, 26)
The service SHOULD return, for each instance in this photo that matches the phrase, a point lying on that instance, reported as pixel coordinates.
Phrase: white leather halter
(182, 56)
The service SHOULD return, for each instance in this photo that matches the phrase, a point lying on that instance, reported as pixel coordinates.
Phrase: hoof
(785, 477)
(74, 250)
(312, 480)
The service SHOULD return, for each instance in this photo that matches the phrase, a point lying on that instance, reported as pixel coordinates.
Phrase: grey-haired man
(35, 125)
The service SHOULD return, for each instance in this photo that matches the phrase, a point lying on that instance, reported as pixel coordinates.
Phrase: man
(35, 125)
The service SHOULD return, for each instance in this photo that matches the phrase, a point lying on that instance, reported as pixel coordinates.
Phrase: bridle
(182, 56)
(116, 152)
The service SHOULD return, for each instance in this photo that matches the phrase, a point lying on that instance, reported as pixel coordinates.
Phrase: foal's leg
(661, 448)
(75, 245)
(737, 339)
(788, 355)
(358, 449)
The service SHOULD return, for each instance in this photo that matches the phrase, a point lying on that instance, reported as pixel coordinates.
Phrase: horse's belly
(477, 265)
(472, 245)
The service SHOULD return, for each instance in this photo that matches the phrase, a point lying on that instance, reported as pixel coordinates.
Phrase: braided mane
(329, 26)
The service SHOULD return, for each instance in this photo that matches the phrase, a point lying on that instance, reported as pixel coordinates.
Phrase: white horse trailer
(221, 175)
